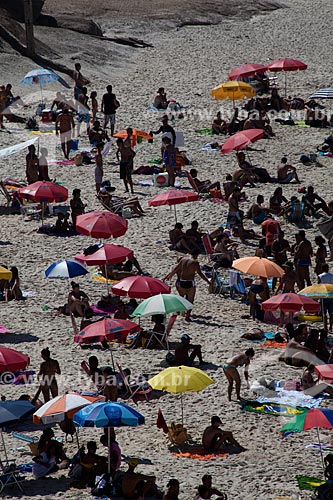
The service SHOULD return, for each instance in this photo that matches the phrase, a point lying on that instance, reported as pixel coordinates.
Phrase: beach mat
(276, 409)
(276, 345)
(198, 453)
(309, 483)
(3, 329)
(294, 399)
(102, 311)
(204, 131)
(61, 163)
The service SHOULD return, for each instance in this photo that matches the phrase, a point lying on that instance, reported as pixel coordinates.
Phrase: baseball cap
(185, 337)
(133, 462)
(216, 420)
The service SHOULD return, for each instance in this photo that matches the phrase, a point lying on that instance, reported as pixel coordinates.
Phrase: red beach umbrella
(12, 360)
(109, 329)
(44, 191)
(241, 140)
(290, 302)
(99, 224)
(173, 197)
(106, 254)
(246, 70)
(140, 287)
(287, 65)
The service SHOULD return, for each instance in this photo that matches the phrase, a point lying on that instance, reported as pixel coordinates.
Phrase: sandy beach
(188, 62)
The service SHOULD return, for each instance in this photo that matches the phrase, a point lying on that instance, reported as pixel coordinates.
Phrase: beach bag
(91, 249)
(78, 159)
(116, 103)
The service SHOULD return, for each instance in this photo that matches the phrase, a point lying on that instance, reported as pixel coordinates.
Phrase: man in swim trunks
(303, 253)
(65, 124)
(286, 172)
(214, 438)
(125, 156)
(186, 269)
(182, 352)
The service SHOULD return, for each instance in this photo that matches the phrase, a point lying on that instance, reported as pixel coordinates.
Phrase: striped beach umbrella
(65, 269)
(323, 94)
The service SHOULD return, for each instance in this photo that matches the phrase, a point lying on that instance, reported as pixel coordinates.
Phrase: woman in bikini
(232, 374)
(258, 287)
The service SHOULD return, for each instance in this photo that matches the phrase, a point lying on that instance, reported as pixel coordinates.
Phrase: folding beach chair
(136, 389)
(192, 182)
(164, 340)
(178, 434)
(7, 194)
(208, 247)
(236, 284)
(219, 283)
(9, 475)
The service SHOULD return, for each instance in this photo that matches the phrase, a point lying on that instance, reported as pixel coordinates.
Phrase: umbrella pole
(4, 446)
(321, 451)
(285, 84)
(109, 445)
(182, 408)
(175, 214)
(112, 360)
(77, 438)
(106, 278)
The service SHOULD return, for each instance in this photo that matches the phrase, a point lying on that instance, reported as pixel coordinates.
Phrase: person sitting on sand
(178, 239)
(224, 251)
(61, 225)
(276, 200)
(13, 290)
(214, 438)
(77, 206)
(206, 490)
(310, 386)
(78, 300)
(93, 465)
(45, 463)
(257, 212)
(277, 103)
(121, 312)
(204, 186)
(160, 100)
(195, 236)
(261, 173)
(286, 172)
(135, 485)
(313, 202)
(219, 126)
(172, 491)
(296, 354)
(232, 374)
(97, 134)
(186, 353)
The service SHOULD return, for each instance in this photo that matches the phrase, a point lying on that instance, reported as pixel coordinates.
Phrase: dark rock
(81, 25)
(16, 8)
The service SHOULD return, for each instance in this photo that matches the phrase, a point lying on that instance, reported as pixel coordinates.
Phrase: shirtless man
(80, 80)
(235, 215)
(179, 240)
(182, 352)
(204, 186)
(49, 368)
(135, 485)
(125, 156)
(66, 126)
(288, 280)
(186, 269)
(214, 438)
(209, 491)
(286, 172)
(303, 253)
(99, 167)
(310, 199)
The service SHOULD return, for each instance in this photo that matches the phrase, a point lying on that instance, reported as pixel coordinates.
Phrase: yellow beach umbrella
(5, 274)
(180, 379)
(233, 90)
(319, 291)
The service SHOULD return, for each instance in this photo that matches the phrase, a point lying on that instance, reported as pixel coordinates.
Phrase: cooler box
(161, 180)
(47, 116)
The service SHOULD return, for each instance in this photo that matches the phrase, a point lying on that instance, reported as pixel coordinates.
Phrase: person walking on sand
(186, 269)
(302, 254)
(66, 126)
(49, 368)
(214, 438)
(99, 167)
(109, 108)
(232, 374)
(169, 159)
(125, 156)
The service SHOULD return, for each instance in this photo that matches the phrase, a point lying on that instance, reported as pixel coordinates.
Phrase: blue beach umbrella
(65, 269)
(11, 412)
(42, 76)
(109, 414)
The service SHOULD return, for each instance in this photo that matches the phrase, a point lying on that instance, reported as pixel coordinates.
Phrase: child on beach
(94, 105)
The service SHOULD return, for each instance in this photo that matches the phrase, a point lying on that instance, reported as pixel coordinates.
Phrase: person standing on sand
(214, 438)
(303, 253)
(186, 269)
(99, 167)
(32, 165)
(66, 126)
(80, 81)
(125, 156)
(109, 108)
(232, 374)
(77, 206)
(49, 368)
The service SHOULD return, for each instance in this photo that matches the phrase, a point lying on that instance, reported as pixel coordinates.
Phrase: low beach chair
(192, 182)
(6, 193)
(178, 434)
(220, 284)
(208, 247)
(236, 284)
(9, 474)
(136, 389)
(164, 339)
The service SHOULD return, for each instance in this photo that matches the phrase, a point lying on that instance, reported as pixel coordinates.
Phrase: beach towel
(293, 398)
(102, 311)
(309, 483)
(272, 343)
(204, 131)
(326, 447)
(198, 453)
(39, 132)
(276, 409)
(3, 329)
(61, 163)
(211, 146)
(156, 161)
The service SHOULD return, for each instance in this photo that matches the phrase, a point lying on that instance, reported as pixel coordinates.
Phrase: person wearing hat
(185, 352)
(77, 206)
(165, 128)
(135, 485)
(206, 491)
(214, 438)
(172, 491)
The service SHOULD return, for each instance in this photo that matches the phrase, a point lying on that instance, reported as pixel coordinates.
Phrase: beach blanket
(272, 343)
(3, 329)
(328, 155)
(326, 447)
(293, 398)
(198, 453)
(276, 409)
(100, 278)
(211, 147)
(102, 311)
(309, 483)
(204, 131)
(39, 132)
(61, 163)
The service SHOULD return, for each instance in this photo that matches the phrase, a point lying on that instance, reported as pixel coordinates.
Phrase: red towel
(161, 423)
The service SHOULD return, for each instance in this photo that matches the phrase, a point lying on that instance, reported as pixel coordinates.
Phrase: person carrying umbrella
(186, 270)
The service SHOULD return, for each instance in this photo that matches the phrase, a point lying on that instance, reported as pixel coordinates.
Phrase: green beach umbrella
(162, 304)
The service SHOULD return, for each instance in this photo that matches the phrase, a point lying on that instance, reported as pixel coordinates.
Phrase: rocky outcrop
(16, 8)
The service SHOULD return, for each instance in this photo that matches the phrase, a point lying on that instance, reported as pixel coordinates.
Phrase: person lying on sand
(232, 374)
(214, 438)
(204, 186)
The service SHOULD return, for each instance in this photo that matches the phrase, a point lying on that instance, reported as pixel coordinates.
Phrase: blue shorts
(328, 306)
(83, 117)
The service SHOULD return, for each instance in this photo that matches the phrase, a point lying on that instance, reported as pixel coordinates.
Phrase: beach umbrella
(313, 418)
(101, 225)
(140, 287)
(233, 90)
(11, 360)
(319, 291)
(65, 269)
(41, 76)
(107, 329)
(258, 266)
(162, 304)
(5, 274)
(44, 191)
(109, 414)
(106, 254)
(286, 65)
(180, 379)
(245, 70)
(323, 94)
(290, 302)
(325, 372)
(60, 407)
(12, 412)
(241, 140)
(173, 197)
(136, 134)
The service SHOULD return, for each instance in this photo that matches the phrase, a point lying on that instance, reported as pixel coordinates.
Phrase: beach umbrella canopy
(106, 254)
(136, 133)
(173, 197)
(241, 140)
(286, 65)
(11, 360)
(5, 274)
(245, 70)
(44, 191)
(60, 407)
(233, 90)
(65, 269)
(99, 224)
(323, 94)
(325, 372)
(40, 76)
(140, 287)
(319, 291)
(258, 266)
(162, 304)
(180, 379)
(290, 302)
(12, 411)
(107, 329)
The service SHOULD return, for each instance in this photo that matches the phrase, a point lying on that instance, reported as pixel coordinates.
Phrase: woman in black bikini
(258, 287)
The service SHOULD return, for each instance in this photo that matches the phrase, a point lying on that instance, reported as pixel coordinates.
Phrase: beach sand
(188, 62)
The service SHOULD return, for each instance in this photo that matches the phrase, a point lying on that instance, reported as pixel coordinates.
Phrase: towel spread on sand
(101, 311)
(293, 398)
(205, 131)
(309, 483)
(211, 147)
(272, 343)
(3, 329)
(276, 409)
(61, 163)
(198, 453)
(328, 155)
